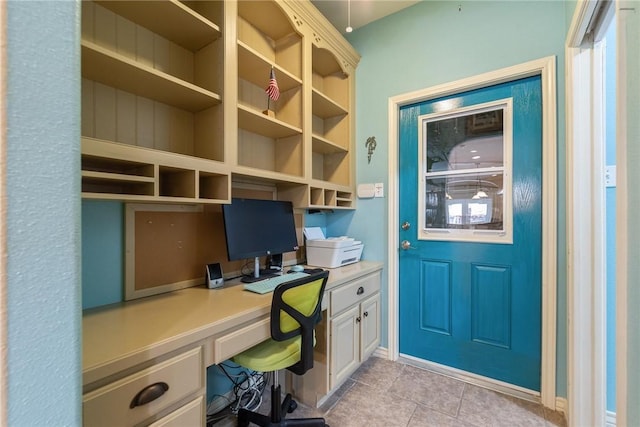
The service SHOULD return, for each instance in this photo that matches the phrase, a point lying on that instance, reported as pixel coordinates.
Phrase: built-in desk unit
(174, 111)
(144, 361)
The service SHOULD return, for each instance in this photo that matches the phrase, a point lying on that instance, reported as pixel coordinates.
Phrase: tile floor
(389, 394)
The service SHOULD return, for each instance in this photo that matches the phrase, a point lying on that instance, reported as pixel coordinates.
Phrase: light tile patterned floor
(388, 394)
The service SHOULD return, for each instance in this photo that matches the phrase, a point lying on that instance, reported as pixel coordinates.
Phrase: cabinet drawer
(237, 341)
(111, 405)
(354, 292)
(191, 414)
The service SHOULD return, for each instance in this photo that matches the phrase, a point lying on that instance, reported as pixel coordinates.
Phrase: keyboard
(268, 285)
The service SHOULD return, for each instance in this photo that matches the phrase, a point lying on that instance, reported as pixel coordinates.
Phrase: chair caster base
(278, 412)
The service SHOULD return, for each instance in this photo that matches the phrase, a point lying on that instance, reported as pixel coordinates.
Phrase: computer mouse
(296, 268)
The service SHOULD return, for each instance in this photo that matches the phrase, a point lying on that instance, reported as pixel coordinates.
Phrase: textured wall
(43, 217)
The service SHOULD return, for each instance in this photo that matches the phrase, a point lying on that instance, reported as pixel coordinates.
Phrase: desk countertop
(118, 336)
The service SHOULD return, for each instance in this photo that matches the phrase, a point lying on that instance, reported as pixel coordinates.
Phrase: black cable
(224, 371)
(248, 396)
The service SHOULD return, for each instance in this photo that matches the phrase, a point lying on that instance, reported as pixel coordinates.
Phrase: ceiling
(362, 11)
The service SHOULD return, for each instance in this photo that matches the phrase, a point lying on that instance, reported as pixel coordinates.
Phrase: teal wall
(102, 253)
(431, 43)
(42, 213)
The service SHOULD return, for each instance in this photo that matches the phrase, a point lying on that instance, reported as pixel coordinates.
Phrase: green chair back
(295, 310)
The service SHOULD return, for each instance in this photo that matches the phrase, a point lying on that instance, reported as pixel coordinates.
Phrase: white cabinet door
(370, 326)
(345, 345)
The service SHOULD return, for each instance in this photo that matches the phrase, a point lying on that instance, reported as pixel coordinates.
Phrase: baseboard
(561, 405)
(381, 352)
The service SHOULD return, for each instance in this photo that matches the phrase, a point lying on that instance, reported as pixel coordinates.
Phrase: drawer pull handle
(358, 319)
(360, 291)
(366, 313)
(149, 394)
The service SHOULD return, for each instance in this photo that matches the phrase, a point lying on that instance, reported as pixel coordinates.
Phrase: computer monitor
(255, 228)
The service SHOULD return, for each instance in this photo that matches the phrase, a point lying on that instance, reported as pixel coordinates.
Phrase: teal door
(470, 211)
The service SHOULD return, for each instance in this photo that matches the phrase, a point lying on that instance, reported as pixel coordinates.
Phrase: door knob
(406, 245)
(406, 225)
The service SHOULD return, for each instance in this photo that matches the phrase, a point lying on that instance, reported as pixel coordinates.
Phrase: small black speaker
(213, 277)
(274, 262)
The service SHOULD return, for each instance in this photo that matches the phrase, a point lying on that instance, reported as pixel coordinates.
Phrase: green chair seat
(270, 355)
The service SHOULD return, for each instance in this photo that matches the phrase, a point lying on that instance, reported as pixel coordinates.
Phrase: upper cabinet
(270, 137)
(174, 106)
(331, 125)
(152, 122)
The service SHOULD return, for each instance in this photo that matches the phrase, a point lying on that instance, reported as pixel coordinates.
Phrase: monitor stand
(257, 274)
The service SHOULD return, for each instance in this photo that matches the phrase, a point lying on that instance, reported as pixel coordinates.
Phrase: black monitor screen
(255, 228)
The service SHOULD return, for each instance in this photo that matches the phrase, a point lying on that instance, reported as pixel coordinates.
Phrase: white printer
(331, 252)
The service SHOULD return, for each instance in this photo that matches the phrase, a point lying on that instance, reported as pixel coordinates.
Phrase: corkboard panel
(168, 246)
(175, 246)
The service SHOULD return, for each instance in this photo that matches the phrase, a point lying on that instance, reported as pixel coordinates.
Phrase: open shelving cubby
(325, 197)
(152, 79)
(124, 172)
(266, 40)
(331, 122)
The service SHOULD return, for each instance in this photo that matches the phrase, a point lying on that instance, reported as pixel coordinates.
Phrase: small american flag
(272, 90)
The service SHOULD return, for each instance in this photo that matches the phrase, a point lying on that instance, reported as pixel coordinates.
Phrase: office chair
(295, 310)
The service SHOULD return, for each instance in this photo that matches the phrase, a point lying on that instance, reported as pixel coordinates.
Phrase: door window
(464, 192)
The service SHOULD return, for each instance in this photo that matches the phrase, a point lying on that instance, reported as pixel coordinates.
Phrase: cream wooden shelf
(171, 19)
(324, 107)
(108, 176)
(256, 68)
(327, 196)
(120, 171)
(332, 128)
(266, 16)
(324, 146)
(259, 123)
(252, 174)
(327, 207)
(110, 68)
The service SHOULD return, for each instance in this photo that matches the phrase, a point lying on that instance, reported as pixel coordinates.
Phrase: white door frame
(628, 231)
(586, 245)
(546, 68)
